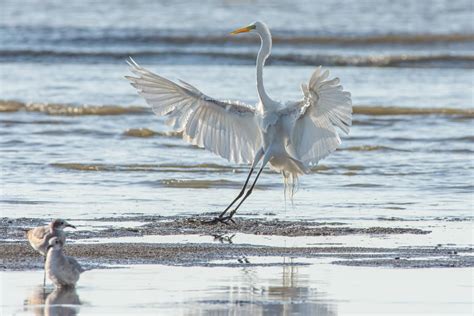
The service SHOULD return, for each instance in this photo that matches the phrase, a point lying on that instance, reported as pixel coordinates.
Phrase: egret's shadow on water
(47, 302)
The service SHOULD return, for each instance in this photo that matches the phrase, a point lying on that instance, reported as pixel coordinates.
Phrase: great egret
(291, 137)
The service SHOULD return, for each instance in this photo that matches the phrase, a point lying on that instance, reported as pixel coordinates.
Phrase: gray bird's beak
(69, 225)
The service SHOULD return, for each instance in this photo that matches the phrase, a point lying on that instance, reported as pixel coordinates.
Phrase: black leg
(219, 218)
(231, 214)
(44, 272)
(257, 158)
(239, 195)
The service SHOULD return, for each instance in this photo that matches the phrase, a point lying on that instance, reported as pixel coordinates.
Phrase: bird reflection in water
(223, 238)
(46, 302)
(270, 290)
(295, 294)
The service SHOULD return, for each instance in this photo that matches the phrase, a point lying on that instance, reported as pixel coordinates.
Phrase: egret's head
(55, 243)
(258, 27)
(61, 224)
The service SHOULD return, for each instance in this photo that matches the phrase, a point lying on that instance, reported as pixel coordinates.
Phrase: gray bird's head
(60, 224)
(55, 243)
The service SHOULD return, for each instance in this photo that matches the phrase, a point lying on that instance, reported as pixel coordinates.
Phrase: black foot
(219, 219)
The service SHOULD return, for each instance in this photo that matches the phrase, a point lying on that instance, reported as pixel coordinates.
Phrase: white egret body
(290, 137)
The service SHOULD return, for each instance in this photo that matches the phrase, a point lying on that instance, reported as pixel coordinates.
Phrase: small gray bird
(39, 237)
(62, 270)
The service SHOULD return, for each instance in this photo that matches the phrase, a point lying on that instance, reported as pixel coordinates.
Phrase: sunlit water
(390, 165)
(409, 155)
(294, 288)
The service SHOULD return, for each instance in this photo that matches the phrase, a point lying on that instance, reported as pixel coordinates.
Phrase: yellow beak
(242, 30)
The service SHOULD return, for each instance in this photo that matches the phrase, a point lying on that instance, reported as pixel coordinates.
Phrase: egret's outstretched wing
(324, 107)
(226, 128)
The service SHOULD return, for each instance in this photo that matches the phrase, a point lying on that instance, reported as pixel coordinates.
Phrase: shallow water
(408, 161)
(396, 161)
(423, 33)
(285, 287)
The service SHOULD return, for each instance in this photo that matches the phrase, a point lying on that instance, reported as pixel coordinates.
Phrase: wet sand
(178, 225)
(98, 248)
(19, 256)
(167, 265)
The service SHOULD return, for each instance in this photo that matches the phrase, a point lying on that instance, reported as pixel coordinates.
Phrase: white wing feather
(325, 106)
(229, 129)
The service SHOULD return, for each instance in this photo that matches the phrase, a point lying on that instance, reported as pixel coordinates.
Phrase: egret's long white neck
(263, 53)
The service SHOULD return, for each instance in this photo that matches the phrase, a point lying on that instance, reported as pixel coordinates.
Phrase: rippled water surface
(408, 65)
(409, 152)
(76, 141)
(294, 288)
